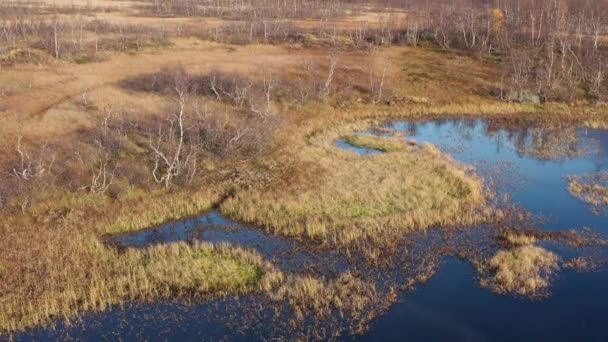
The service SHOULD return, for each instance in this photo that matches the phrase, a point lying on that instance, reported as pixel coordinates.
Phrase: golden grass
(200, 269)
(75, 272)
(376, 143)
(145, 212)
(108, 277)
(596, 123)
(34, 96)
(515, 239)
(345, 198)
(346, 294)
(524, 271)
(591, 189)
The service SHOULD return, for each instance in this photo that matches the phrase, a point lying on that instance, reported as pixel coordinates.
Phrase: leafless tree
(56, 37)
(167, 165)
(171, 155)
(381, 85)
(29, 168)
(270, 83)
(102, 177)
(333, 63)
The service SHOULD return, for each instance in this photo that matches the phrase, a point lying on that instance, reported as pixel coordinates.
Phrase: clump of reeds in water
(591, 189)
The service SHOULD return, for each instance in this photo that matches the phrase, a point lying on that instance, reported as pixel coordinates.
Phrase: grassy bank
(375, 143)
(344, 198)
(104, 277)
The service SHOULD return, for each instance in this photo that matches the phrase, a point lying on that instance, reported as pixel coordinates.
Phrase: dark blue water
(450, 306)
(544, 191)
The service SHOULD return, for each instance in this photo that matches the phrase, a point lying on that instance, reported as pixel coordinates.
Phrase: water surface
(451, 306)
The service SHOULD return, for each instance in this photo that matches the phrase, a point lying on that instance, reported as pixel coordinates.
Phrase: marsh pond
(444, 283)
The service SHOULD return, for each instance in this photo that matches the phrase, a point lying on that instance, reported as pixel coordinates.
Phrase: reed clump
(517, 239)
(591, 189)
(524, 271)
(345, 294)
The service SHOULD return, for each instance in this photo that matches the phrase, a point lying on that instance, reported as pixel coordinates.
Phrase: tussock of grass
(199, 269)
(376, 143)
(75, 272)
(514, 239)
(346, 294)
(591, 189)
(349, 198)
(524, 271)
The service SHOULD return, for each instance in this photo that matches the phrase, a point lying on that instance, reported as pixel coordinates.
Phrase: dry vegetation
(524, 271)
(345, 199)
(584, 264)
(104, 277)
(116, 116)
(346, 294)
(591, 189)
(376, 143)
(516, 239)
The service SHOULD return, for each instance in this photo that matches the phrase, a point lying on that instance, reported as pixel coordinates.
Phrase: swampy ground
(171, 171)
